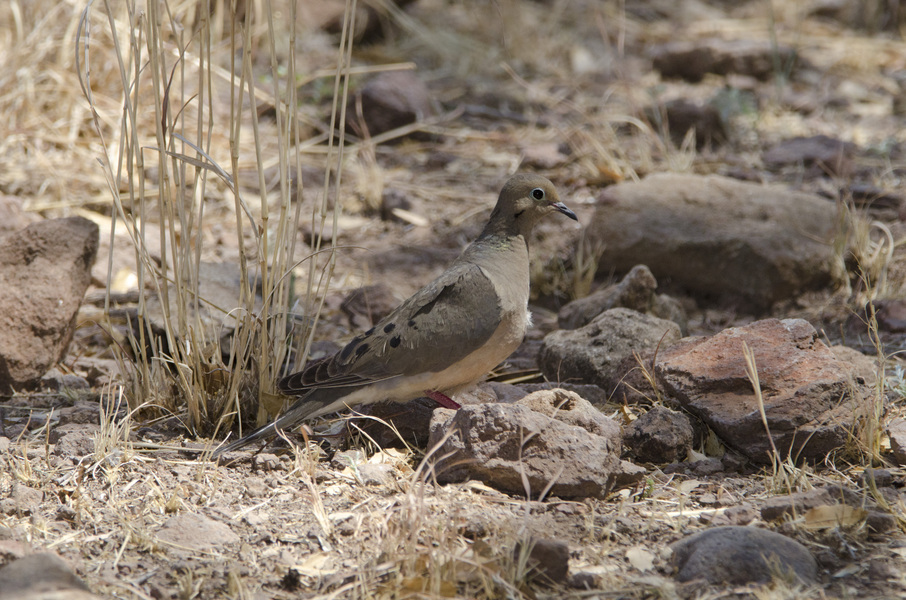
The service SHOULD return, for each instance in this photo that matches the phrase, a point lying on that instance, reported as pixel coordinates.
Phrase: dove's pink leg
(442, 399)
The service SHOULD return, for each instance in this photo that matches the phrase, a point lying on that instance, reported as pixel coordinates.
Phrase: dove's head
(524, 199)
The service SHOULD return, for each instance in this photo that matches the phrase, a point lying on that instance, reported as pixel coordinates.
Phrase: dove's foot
(442, 399)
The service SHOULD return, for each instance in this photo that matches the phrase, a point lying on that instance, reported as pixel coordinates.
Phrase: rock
(44, 272)
(628, 475)
(718, 237)
(56, 381)
(411, 420)
(821, 154)
(508, 393)
(264, 462)
(864, 368)
(896, 431)
(741, 555)
(23, 500)
(572, 409)
(635, 291)
(874, 198)
(191, 531)
(693, 60)
(219, 284)
(12, 217)
(375, 474)
(367, 305)
(547, 561)
(891, 315)
(41, 576)
(660, 436)
(877, 477)
(683, 115)
(593, 353)
(705, 467)
(511, 447)
(798, 504)
(388, 101)
(74, 440)
(808, 392)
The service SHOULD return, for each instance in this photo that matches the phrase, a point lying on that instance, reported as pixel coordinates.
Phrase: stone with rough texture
(593, 353)
(192, 532)
(896, 431)
(44, 272)
(741, 555)
(660, 436)
(635, 291)
(572, 409)
(717, 237)
(511, 447)
(811, 398)
(547, 561)
(41, 576)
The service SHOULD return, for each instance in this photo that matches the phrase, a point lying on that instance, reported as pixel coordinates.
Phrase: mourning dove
(446, 336)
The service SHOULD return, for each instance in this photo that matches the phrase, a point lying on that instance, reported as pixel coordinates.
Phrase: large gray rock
(741, 555)
(44, 272)
(718, 237)
(595, 352)
(811, 398)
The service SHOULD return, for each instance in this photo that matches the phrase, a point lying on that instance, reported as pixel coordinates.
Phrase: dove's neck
(503, 225)
(504, 259)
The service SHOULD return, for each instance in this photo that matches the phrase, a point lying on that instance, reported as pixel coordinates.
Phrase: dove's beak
(562, 208)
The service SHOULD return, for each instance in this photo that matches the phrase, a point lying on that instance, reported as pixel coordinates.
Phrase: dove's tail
(301, 410)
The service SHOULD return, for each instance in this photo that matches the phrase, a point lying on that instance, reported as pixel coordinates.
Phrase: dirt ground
(563, 88)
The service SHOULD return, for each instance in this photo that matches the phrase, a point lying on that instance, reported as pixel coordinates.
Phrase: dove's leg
(442, 399)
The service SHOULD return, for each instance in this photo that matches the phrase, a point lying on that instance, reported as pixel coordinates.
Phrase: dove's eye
(538, 194)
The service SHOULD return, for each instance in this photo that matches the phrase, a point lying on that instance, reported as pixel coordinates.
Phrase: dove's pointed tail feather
(302, 409)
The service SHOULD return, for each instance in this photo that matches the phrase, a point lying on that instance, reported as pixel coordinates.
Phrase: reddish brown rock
(811, 398)
(44, 272)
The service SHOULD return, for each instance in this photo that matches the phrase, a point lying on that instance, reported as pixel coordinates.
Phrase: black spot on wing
(361, 349)
(395, 341)
(389, 327)
(347, 350)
